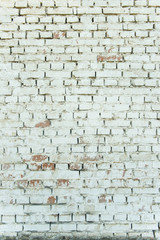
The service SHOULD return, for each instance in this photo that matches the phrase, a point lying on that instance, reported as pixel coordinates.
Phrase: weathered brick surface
(79, 119)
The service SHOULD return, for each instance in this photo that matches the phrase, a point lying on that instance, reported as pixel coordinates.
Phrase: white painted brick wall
(79, 118)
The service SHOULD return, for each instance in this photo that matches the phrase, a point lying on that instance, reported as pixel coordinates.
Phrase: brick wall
(79, 118)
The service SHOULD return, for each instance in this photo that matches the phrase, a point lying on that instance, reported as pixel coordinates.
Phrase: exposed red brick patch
(35, 167)
(58, 35)
(26, 160)
(101, 58)
(51, 200)
(75, 166)
(7, 176)
(44, 124)
(39, 158)
(63, 182)
(35, 183)
(134, 179)
(119, 58)
(111, 58)
(102, 199)
(49, 166)
(22, 183)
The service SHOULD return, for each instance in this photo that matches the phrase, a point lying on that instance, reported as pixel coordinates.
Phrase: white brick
(10, 228)
(63, 227)
(38, 228)
(65, 218)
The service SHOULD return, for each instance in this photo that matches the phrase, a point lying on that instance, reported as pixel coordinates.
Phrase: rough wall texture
(79, 118)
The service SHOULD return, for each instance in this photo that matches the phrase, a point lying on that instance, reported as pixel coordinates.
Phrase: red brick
(58, 35)
(39, 158)
(63, 182)
(75, 166)
(34, 166)
(51, 200)
(35, 183)
(109, 58)
(48, 166)
(44, 124)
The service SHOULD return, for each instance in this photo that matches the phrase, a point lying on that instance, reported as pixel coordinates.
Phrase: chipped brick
(39, 158)
(63, 182)
(44, 124)
(48, 166)
(51, 200)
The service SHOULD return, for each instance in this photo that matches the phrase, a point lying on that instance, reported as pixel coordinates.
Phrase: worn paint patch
(39, 158)
(44, 124)
(63, 182)
(58, 35)
(35, 183)
(48, 166)
(51, 200)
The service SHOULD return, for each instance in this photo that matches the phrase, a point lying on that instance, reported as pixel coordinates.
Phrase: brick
(10, 228)
(39, 158)
(154, 3)
(21, 4)
(48, 166)
(44, 124)
(68, 227)
(51, 200)
(59, 11)
(11, 210)
(38, 227)
(143, 227)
